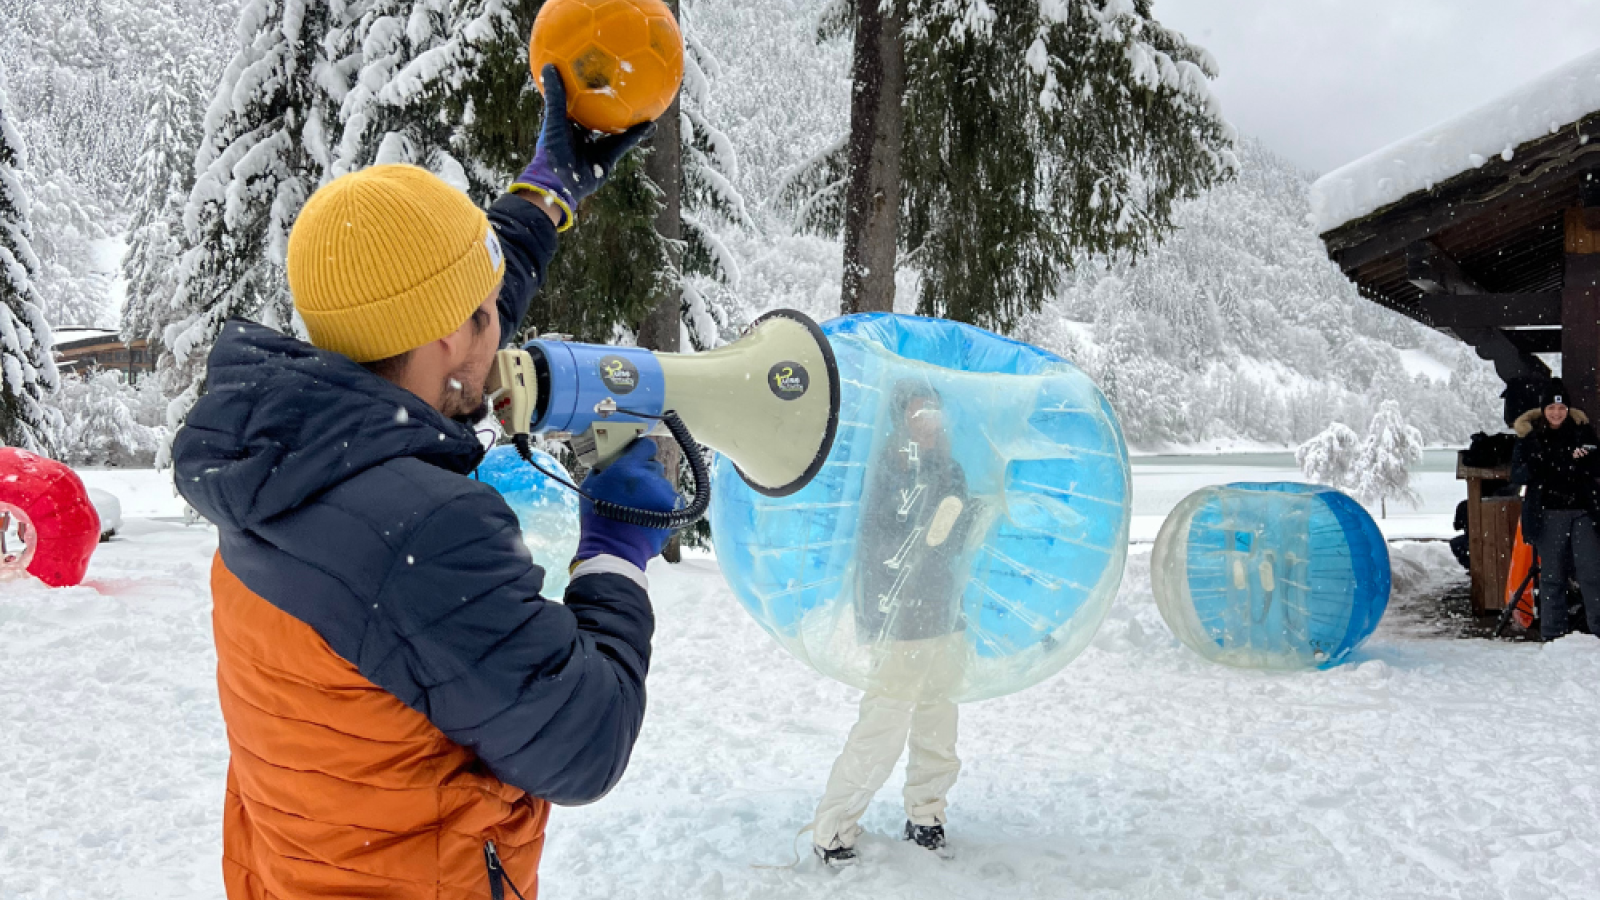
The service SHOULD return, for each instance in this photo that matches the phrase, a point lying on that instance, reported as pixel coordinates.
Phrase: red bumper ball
(48, 527)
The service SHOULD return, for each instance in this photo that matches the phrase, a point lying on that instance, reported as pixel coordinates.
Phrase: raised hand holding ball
(621, 60)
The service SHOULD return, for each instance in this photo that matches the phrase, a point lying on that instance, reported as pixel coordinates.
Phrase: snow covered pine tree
(266, 146)
(991, 145)
(162, 179)
(27, 367)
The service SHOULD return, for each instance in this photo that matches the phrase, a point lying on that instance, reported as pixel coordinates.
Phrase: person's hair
(389, 368)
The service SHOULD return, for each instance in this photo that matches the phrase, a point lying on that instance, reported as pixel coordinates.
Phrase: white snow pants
(892, 718)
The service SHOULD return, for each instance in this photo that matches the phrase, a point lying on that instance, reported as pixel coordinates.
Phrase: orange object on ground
(1522, 558)
(621, 60)
(380, 805)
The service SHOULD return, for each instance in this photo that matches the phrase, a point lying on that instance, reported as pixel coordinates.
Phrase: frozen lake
(1160, 482)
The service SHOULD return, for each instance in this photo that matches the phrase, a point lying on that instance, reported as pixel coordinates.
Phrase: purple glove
(634, 479)
(571, 162)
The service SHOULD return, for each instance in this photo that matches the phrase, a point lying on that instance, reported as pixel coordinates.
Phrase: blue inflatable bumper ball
(1271, 576)
(967, 532)
(547, 512)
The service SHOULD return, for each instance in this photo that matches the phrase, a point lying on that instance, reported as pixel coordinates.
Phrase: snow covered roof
(82, 337)
(65, 336)
(1540, 107)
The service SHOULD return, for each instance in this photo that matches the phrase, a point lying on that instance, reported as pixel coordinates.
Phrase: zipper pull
(491, 857)
(497, 873)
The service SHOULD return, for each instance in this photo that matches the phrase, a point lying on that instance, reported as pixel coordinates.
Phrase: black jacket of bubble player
(906, 589)
(1543, 461)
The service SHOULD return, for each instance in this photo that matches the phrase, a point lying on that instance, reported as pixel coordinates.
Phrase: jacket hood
(1526, 421)
(283, 421)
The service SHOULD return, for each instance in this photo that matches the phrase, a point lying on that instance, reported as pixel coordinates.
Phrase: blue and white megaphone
(768, 401)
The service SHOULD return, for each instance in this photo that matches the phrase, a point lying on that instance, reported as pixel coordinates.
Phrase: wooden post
(1491, 534)
(1580, 313)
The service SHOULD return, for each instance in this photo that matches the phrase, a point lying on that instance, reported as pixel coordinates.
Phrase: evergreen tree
(268, 137)
(992, 145)
(389, 107)
(1382, 470)
(100, 421)
(72, 284)
(162, 179)
(710, 199)
(27, 366)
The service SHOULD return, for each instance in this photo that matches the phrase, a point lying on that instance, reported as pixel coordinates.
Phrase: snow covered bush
(105, 421)
(1382, 470)
(1329, 457)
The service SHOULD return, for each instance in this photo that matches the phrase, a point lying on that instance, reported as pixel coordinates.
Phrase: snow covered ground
(1426, 768)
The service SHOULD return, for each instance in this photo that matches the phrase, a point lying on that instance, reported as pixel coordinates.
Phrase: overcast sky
(1324, 82)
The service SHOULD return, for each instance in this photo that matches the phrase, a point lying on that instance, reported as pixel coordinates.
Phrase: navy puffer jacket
(345, 502)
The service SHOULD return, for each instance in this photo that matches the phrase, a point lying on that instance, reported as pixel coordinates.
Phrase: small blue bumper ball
(547, 512)
(967, 532)
(1271, 576)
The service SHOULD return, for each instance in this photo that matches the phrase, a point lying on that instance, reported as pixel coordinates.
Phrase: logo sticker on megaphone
(789, 380)
(618, 374)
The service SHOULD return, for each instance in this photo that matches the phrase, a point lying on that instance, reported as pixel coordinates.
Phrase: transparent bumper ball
(547, 512)
(1271, 576)
(967, 532)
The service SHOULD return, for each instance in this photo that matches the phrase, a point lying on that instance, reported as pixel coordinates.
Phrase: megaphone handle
(648, 518)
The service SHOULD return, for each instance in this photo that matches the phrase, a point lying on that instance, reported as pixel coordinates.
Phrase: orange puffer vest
(380, 804)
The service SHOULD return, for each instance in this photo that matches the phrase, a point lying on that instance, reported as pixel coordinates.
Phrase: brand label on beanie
(491, 242)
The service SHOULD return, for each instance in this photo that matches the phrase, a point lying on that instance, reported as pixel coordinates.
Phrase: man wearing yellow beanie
(402, 704)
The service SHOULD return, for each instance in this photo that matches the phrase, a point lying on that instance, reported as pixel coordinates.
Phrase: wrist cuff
(568, 217)
(605, 564)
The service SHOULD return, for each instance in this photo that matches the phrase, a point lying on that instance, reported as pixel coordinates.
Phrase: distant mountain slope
(1239, 327)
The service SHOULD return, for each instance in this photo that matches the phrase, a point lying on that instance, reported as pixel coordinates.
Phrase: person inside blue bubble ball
(916, 517)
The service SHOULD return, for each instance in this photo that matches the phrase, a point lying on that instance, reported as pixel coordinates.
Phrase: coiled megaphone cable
(644, 518)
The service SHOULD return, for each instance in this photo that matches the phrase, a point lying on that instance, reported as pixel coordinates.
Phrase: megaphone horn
(768, 401)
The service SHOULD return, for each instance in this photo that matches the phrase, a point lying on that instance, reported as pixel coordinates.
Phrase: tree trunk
(664, 167)
(877, 120)
(661, 327)
(1383, 505)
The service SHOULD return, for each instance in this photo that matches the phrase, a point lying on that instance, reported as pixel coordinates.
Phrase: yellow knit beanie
(387, 259)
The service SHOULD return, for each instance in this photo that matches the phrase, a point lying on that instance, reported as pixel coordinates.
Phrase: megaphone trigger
(513, 390)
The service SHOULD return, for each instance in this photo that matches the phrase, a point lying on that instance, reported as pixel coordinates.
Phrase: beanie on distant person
(388, 259)
(1554, 392)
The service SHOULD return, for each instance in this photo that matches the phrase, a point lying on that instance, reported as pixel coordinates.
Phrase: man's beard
(461, 409)
(474, 416)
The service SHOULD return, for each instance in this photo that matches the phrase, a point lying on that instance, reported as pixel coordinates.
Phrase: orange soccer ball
(621, 60)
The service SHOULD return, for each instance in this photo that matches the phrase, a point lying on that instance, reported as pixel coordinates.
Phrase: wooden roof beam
(1536, 340)
(1468, 311)
(1434, 271)
(1589, 199)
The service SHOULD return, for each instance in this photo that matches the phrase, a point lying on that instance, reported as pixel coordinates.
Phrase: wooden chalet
(79, 349)
(1501, 251)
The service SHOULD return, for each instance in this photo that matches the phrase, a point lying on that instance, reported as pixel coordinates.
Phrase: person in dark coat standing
(915, 521)
(402, 704)
(1557, 459)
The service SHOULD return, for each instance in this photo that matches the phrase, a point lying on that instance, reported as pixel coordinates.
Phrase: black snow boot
(837, 857)
(929, 837)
